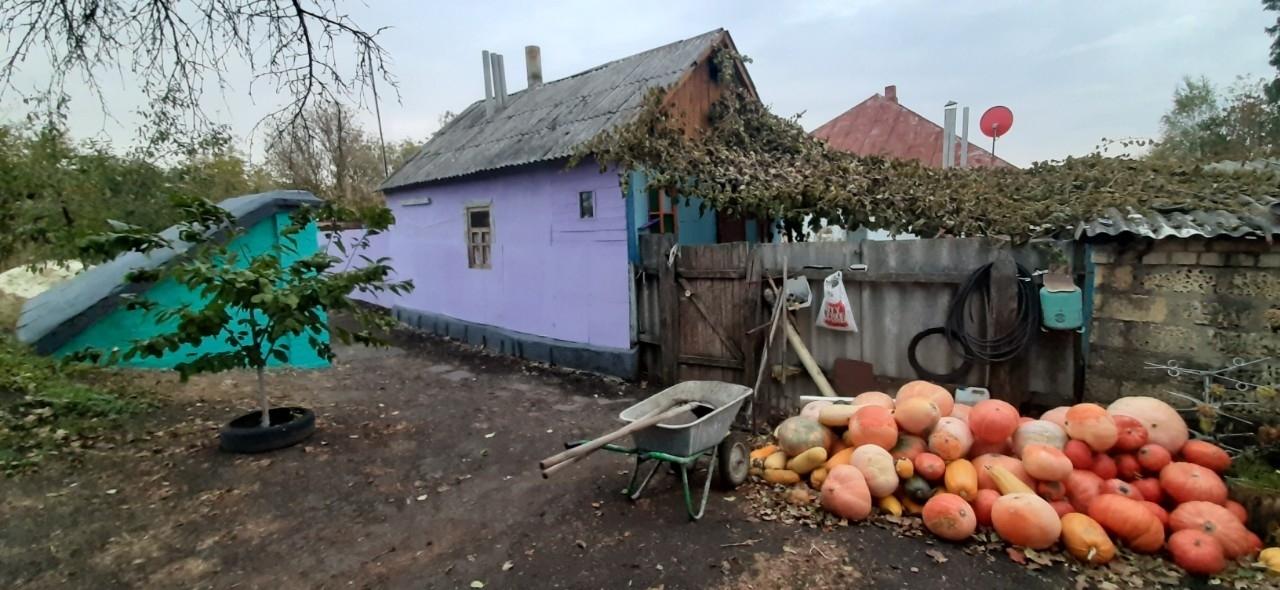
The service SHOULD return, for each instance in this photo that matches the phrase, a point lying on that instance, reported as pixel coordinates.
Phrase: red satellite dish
(996, 121)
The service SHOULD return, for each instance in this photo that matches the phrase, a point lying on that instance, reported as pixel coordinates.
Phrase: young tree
(1205, 125)
(256, 304)
(1273, 88)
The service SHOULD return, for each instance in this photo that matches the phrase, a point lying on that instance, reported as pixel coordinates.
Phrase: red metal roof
(880, 126)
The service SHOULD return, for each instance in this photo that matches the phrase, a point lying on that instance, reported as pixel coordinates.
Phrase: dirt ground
(422, 474)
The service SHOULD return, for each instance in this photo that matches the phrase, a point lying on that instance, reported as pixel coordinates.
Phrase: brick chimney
(891, 92)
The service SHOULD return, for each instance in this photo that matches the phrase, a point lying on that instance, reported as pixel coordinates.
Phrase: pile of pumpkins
(1084, 475)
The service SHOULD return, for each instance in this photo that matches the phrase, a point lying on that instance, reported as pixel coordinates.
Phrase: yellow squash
(1007, 482)
(890, 505)
(961, 479)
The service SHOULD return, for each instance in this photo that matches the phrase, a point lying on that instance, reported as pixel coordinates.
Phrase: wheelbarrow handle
(552, 464)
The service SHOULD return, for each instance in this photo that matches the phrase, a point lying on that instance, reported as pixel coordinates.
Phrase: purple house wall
(551, 274)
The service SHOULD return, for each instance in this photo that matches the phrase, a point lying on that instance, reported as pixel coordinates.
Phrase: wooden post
(1007, 381)
(669, 308)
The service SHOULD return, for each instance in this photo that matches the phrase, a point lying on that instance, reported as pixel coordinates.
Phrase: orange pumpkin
(873, 398)
(840, 458)
(1011, 464)
(1164, 426)
(1150, 489)
(872, 425)
(949, 516)
(1129, 520)
(1127, 467)
(1046, 463)
(1197, 552)
(1057, 415)
(1092, 424)
(924, 389)
(1063, 507)
(916, 415)
(930, 466)
(908, 447)
(1131, 434)
(1105, 466)
(1187, 482)
(1080, 454)
(1217, 522)
(993, 420)
(1120, 487)
(980, 448)
(1051, 490)
(1206, 454)
(1159, 512)
(982, 505)
(1026, 520)
(1237, 510)
(1154, 457)
(845, 493)
(1082, 487)
(951, 439)
(1086, 540)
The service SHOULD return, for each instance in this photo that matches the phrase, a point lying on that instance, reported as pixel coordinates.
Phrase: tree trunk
(262, 398)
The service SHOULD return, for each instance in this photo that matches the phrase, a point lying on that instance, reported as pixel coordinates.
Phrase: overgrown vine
(749, 161)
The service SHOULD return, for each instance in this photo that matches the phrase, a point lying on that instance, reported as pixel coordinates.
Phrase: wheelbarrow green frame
(683, 463)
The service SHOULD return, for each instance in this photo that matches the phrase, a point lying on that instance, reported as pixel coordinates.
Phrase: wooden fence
(716, 293)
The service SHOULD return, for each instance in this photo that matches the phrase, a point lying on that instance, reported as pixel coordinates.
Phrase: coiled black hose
(975, 347)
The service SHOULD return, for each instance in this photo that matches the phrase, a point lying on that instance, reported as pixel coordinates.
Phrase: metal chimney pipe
(949, 134)
(964, 138)
(488, 82)
(533, 65)
(500, 81)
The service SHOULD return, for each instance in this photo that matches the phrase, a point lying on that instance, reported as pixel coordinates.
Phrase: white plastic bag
(835, 313)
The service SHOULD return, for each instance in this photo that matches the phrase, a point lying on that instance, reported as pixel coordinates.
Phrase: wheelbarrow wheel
(734, 462)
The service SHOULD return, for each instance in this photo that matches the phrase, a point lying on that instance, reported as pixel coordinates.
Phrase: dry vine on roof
(752, 162)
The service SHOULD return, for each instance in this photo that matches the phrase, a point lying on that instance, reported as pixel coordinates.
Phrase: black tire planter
(289, 426)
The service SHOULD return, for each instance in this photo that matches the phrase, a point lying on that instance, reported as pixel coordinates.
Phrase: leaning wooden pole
(806, 359)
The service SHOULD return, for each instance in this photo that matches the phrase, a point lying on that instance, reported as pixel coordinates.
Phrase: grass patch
(1255, 468)
(49, 409)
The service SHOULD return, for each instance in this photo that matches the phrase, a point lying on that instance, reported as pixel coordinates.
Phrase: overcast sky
(1073, 71)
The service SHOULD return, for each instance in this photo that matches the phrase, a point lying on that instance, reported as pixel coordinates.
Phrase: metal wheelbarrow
(683, 439)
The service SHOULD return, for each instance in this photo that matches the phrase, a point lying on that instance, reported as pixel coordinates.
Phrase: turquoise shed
(85, 311)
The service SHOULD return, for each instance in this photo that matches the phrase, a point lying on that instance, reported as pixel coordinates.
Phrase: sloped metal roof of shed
(57, 315)
(547, 122)
(1258, 219)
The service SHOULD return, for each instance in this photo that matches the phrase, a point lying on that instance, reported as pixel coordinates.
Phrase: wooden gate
(706, 336)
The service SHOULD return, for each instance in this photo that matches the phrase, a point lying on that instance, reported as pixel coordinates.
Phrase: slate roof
(52, 318)
(549, 121)
(880, 126)
(1258, 219)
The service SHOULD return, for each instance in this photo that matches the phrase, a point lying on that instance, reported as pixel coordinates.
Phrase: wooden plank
(1008, 380)
(711, 361)
(708, 273)
(692, 296)
(668, 314)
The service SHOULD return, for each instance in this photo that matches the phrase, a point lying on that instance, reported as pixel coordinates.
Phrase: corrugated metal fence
(907, 287)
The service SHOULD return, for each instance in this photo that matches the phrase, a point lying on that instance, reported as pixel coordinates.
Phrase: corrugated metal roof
(549, 121)
(57, 315)
(1262, 220)
(1257, 218)
(880, 126)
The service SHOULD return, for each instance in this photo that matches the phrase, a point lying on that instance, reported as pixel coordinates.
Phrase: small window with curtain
(479, 237)
(586, 204)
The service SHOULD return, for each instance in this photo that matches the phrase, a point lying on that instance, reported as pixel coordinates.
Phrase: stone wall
(1195, 301)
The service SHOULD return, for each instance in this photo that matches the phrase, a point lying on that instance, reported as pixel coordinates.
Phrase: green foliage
(47, 408)
(1273, 88)
(1205, 125)
(751, 162)
(58, 191)
(255, 304)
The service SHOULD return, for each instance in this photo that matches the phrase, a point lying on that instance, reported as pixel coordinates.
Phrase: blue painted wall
(119, 328)
(695, 227)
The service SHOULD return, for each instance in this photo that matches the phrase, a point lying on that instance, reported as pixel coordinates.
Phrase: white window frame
(479, 240)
